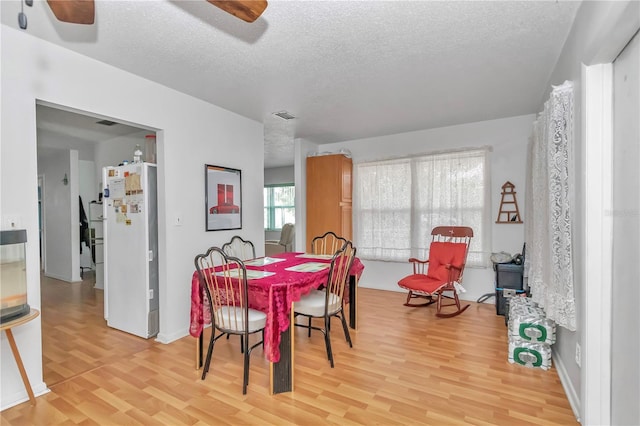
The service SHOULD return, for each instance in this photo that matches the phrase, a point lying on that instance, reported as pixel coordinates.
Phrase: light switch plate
(11, 222)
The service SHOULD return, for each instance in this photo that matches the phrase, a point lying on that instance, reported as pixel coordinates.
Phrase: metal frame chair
(240, 248)
(329, 302)
(225, 282)
(442, 272)
(328, 243)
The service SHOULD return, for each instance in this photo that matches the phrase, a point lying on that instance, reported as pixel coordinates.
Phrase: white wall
(508, 139)
(114, 151)
(61, 215)
(48, 140)
(599, 32)
(625, 339)
(32, 70)
(279, 175)
(50, 144)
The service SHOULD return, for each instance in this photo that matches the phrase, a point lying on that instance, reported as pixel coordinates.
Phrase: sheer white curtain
(549, 261)
(398, 202)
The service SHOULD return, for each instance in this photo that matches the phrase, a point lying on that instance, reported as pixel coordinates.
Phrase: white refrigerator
(130, 210)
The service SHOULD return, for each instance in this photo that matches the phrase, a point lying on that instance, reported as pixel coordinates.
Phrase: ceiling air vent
(106, 122)
(284, 115)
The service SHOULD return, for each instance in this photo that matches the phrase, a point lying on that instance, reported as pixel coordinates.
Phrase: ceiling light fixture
(106, 122)
(284, 115)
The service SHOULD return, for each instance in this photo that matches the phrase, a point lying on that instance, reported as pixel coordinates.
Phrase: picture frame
(223, 198)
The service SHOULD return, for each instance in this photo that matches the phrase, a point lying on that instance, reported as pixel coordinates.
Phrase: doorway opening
(72, 148)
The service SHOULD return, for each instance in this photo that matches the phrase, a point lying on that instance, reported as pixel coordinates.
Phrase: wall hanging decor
(223, 194)
(509, 212)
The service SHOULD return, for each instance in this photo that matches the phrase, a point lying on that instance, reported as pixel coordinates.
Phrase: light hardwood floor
(406, 367)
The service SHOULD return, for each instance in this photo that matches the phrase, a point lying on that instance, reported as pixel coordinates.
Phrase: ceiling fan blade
(247, 10)
(73, 11)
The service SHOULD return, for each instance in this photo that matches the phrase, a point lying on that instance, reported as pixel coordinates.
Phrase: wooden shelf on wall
(509, 212)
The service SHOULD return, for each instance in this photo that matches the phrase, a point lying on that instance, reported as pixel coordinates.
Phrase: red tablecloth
(272, 295)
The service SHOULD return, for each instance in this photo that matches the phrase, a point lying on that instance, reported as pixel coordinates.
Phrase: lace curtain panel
(398, 203)
(549, 208)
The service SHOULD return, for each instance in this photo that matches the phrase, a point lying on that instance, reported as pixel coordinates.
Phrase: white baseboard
(572, 395)
(22, 396)
(167, 338)
(58, 277)
(385, 287)
(61, 278)
(470, 296)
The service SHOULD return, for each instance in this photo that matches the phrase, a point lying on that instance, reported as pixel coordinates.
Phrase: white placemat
(262, 261)
(308, 267)
(315, 256)
(251, 275)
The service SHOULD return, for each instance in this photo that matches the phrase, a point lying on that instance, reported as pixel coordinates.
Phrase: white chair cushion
(232, 318)
(312, 304)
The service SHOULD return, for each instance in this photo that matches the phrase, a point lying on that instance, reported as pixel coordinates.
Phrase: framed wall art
(223, 195)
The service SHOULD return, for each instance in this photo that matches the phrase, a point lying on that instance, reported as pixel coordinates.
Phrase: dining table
(275, 283)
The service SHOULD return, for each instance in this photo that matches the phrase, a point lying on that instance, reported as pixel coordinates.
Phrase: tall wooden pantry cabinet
(328, 196)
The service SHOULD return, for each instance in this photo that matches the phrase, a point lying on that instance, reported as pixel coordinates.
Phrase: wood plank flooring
(407, 367)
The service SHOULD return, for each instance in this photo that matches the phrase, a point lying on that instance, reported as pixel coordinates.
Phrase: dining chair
(329, 302)
(225, 281)
(243, 250)
(240, 248)
(328, 243)
(441, 272)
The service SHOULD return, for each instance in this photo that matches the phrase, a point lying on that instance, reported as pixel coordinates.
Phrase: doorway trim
(43, 251)
(621, 23)
(596, 333)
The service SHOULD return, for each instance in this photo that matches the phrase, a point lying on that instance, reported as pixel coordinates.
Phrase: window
(279, 206)
(398, 202)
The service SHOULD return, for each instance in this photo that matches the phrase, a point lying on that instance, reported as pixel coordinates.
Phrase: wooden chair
(442, 272)
(283, 244)
(225, 282)
(240, 248)
(329, 302)
(328, 243)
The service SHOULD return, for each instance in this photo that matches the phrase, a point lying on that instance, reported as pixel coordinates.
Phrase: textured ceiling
(346, 69)
(62, 129)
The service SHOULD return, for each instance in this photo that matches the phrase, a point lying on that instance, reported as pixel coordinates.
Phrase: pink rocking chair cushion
(446, 260)
(441, 255)
(422, 283)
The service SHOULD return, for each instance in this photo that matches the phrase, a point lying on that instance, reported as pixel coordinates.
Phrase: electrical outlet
(578, 355)
(508, 292)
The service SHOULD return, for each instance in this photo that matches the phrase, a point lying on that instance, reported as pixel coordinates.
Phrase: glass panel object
(13, 275)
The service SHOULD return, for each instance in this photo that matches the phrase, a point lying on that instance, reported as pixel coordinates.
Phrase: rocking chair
(442, 272)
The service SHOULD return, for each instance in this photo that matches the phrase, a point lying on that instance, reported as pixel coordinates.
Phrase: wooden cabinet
(329, 189)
